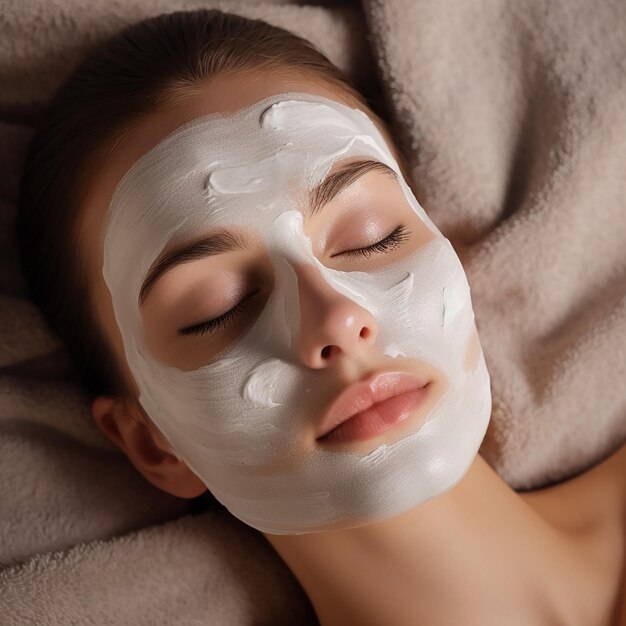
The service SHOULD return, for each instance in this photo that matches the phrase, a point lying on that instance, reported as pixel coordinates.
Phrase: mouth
(366, 409)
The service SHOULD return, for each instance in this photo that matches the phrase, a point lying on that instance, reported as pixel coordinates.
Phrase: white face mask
(237, 422)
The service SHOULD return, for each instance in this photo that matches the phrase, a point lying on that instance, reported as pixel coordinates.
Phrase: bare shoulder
(621, 475)
(602, 492)
(610, 476)
(595, 497)
(616, 466)
(605, 490)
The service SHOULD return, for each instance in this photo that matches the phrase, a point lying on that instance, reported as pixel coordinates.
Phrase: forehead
(239, 169)
(224, 94)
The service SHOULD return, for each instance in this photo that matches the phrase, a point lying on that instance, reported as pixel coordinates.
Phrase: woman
(262, 308)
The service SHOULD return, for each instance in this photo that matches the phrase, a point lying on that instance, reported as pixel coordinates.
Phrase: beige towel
(513, 117)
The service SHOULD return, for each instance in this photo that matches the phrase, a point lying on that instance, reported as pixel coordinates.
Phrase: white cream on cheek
(262, 382)
(244, 423)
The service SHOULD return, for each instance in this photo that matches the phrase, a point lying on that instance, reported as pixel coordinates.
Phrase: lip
(367, 408)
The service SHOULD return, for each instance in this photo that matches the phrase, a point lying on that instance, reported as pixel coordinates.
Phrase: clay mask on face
(240, 420)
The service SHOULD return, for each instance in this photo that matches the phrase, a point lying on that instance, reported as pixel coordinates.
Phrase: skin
(479, 553)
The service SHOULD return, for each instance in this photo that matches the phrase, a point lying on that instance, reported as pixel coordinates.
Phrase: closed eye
(217, 323)
(392, 241)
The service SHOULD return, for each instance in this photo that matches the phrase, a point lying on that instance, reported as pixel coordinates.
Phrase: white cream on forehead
(238, 421)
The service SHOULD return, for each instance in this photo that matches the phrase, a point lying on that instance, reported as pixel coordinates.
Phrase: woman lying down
(220, 229)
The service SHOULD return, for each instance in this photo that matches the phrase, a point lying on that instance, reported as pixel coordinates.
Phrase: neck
(478, 553)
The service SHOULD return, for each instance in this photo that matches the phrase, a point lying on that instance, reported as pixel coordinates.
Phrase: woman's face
(259, 261)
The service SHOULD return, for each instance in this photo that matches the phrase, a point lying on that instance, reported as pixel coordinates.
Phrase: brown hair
(117, 84)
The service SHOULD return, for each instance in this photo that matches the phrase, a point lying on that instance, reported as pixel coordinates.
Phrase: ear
(145, 447)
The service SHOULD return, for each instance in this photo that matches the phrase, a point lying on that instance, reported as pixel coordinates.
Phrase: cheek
(108, 322)
(472, 351)
(154, 341)
(287, 461)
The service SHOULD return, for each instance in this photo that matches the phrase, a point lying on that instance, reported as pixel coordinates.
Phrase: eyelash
(219, 322)
(389, 243)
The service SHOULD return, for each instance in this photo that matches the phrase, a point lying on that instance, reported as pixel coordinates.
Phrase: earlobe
(145, 448)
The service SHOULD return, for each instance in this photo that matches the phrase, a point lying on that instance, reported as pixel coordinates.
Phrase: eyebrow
(343, 177)
(216, 243)
(226, 241)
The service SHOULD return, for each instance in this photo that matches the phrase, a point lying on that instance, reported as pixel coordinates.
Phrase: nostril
(326, 351)
(331, 350)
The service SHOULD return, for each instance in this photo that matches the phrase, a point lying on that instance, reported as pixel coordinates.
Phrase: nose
(331, 325)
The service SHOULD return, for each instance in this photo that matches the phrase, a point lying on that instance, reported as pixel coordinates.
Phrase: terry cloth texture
(513, 118)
